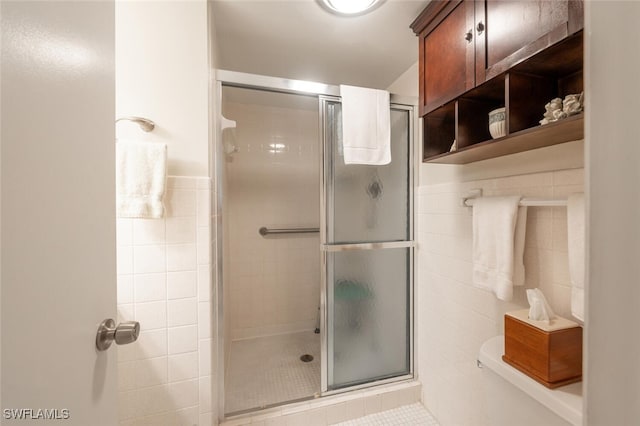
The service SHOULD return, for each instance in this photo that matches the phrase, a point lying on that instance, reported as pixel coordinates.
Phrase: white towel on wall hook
(141, 174)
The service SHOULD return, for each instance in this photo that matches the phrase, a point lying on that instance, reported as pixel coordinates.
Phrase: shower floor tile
(414, 414)
(268, 370)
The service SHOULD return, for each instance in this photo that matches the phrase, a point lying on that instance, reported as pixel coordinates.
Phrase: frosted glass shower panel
(369, 250)
(372, 202)
(369, 293)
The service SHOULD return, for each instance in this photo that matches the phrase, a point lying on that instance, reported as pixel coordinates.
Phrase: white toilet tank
(512, 398)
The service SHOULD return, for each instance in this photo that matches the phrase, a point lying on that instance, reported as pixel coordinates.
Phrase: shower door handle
(124, 333)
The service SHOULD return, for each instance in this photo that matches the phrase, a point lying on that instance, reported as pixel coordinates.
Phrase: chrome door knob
(127, 332)
(124, 333)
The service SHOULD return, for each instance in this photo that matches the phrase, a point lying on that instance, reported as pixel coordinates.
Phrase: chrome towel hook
(144, 123)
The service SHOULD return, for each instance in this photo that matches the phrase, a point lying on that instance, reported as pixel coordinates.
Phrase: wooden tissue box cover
(550, 354)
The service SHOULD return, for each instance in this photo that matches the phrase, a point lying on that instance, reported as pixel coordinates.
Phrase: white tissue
(539, 309)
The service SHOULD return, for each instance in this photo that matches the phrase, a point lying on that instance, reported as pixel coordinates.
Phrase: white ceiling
(299, 39)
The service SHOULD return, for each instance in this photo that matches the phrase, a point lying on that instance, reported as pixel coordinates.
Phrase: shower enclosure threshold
(374, 398)
(268, 408)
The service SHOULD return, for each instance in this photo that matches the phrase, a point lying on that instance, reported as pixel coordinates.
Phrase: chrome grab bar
(266, 231)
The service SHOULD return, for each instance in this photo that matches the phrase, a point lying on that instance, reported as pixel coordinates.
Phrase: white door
(58, 250)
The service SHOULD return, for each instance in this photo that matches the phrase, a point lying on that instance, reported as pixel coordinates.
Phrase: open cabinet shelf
(569, 129)
(523, 90)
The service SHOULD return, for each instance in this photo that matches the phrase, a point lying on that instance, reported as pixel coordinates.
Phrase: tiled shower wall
(455, 318)
(164, 282)
(273, 283)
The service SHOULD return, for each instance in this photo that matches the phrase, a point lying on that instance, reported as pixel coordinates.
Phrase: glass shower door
(367, 244)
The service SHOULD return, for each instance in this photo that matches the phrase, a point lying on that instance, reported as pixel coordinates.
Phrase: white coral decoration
(557, 109)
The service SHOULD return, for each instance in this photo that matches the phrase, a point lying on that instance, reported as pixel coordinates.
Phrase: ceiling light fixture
(350, 7)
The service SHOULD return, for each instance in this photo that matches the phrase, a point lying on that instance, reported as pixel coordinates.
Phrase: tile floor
(414, 415)
(268, 370)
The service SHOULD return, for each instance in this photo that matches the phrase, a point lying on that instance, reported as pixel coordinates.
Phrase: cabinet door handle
(469, 35)
(480, 27)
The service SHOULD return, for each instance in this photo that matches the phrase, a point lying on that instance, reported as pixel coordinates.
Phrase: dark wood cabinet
(515, 30)
(464, 43)
(477, 56)
(447, 55)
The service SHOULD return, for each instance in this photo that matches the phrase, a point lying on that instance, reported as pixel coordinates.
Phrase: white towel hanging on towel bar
(499, 228)
(366, 125)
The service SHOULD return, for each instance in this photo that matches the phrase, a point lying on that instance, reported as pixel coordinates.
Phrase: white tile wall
(455, 318)
(182, 312)
(183, 366)
(273, 283)
(182, 284)
(183, 339)
(164, 282)
(150, 287)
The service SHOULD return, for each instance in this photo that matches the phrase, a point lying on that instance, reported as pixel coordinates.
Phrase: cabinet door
(509, 31)
(447, 56)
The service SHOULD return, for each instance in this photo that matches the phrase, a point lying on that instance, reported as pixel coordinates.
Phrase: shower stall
(315, 292)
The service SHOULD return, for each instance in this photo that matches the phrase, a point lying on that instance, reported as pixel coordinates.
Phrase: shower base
(267, 370)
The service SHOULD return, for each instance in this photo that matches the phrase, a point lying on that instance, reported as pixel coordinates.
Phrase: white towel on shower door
(576, 239)
(499, 228)
(366, 125)
(141, 173)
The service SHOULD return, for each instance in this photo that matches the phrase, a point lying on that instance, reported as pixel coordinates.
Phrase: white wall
(162, 73)
(613, 158)
(454, 318)
(407, 83)
(612, 379)
(274, 282)
(165, 62)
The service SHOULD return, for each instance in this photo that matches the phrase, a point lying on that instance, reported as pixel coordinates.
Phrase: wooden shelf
(567, 130)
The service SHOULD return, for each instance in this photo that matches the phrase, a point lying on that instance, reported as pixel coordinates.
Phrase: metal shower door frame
(326, 223)
(324, 93)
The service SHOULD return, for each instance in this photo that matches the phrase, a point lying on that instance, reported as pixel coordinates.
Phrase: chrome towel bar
(533, 202)
(266, 231)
